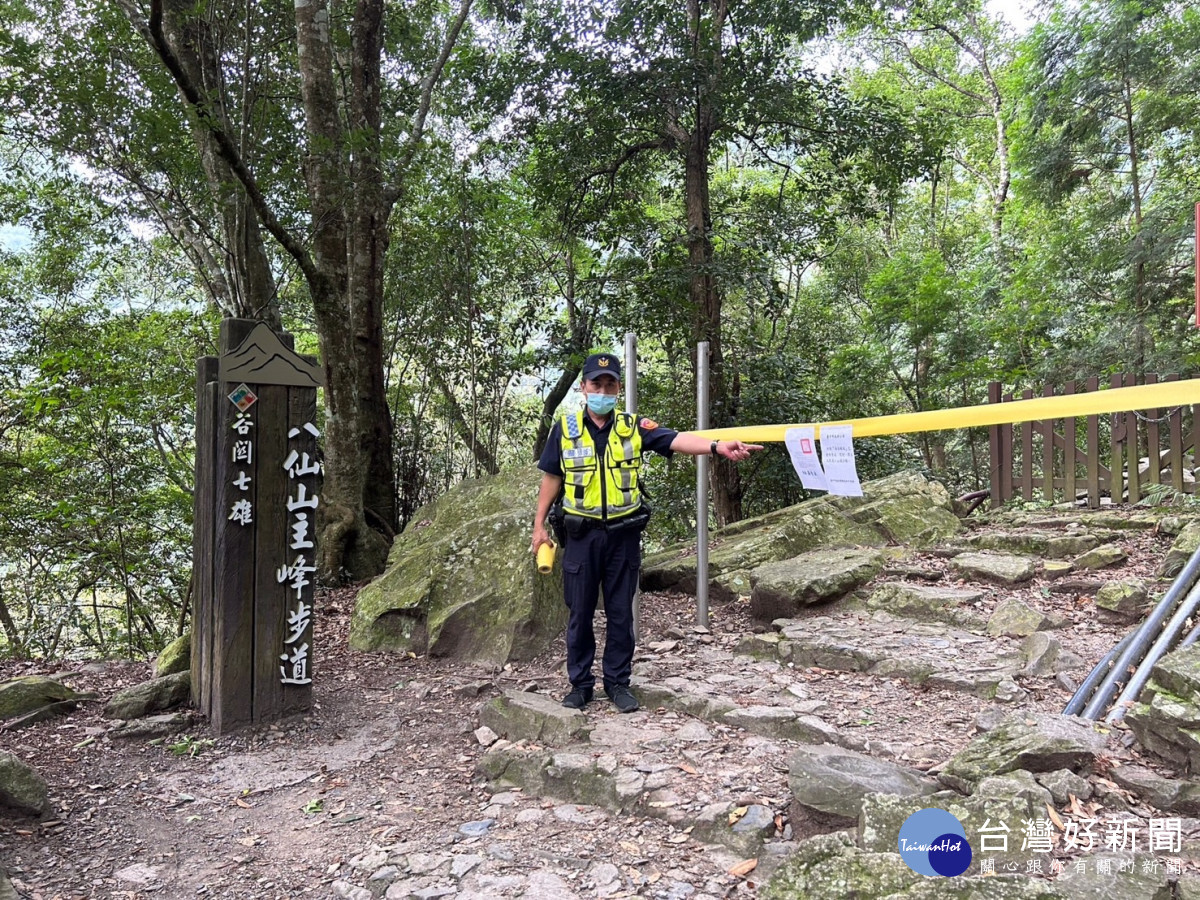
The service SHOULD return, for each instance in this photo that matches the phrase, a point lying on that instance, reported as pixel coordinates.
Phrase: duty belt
(577, 525)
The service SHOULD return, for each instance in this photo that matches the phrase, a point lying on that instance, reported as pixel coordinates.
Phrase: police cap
(601, 364)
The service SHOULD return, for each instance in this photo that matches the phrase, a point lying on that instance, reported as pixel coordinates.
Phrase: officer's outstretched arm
(695, 445)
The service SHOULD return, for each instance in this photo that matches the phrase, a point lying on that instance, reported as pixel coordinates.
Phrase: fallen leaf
(745, 867)
(1054, 817)
(242, 803)
(737, 814)
(691, 770)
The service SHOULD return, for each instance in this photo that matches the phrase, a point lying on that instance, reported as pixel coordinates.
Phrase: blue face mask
(601, 404)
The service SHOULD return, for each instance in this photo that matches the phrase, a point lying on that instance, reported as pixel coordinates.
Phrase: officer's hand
(539, 537)
(736, 450)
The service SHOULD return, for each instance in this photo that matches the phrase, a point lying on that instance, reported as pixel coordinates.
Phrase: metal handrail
(1135, 651)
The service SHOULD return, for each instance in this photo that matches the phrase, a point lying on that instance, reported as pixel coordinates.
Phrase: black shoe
(622, 697)
(578, 698)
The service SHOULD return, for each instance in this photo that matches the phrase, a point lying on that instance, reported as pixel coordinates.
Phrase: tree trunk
(11, 632)
(579, 322)
(484, 457)
(703, 291)
(242, 285)
(368, 243)
(346, 287)
(1135, 187)
(705, 297)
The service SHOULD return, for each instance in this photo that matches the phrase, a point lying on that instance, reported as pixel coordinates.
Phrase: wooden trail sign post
(254, 535)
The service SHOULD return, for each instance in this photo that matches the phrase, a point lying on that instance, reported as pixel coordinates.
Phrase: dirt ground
(388, 754)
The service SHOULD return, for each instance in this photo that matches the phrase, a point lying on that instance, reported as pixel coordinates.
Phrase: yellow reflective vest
(598, 487)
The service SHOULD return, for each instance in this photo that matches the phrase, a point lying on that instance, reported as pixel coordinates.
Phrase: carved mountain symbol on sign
(262, 358)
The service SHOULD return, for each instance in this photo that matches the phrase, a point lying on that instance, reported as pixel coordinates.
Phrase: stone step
(932, 654)
(651, 787)
(656, 762)
(647, 763)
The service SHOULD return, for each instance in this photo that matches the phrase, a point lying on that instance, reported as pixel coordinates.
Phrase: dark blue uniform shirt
(657, 439)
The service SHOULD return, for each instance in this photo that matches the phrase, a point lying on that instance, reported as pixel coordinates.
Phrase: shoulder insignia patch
(648, 424)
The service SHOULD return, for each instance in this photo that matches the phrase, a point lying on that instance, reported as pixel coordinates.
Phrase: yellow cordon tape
(1146, 396)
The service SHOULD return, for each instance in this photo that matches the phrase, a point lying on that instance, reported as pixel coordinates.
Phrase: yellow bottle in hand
(545, 557)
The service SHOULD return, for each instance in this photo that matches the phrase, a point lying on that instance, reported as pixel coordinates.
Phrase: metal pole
(631, 373)
(631, 408)
(1135, 651)
(702, 488)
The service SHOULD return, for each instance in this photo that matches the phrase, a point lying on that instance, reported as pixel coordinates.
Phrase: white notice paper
(802, 447)
(837, 453)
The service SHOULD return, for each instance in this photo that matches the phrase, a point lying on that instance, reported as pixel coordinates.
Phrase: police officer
(592, 461)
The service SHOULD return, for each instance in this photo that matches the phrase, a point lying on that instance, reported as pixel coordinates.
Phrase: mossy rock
(461, 581)
(152, 696)
(1027, 543)
(27, 694)
(1035, 742)
(1185, 544)
(21, 788)
(830, 865)
(175, 657)
(903, 508)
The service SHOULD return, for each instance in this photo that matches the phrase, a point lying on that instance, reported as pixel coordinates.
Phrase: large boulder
(906, 508)
(1167, 720)
(1186, 543)
(1012, 798)
(176, 657)
(832, 865)
(929, 603)
(461, 581)
(1002, 568)
(24, 696)
(903, 508)
(1034, 742)
(833, 781)
(781, 589)
(22, 789)
(150, 697)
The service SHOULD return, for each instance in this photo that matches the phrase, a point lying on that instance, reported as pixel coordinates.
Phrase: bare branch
(392, 194)
(152, 30)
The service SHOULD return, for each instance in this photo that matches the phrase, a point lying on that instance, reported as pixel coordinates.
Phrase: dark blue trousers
(611, 560)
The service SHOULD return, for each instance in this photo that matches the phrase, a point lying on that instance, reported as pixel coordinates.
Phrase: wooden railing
(1085, 459)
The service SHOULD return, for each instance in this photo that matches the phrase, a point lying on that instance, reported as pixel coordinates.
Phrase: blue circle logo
(933, 842)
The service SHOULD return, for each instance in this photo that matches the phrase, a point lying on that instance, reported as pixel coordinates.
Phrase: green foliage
(96, 385)
(945, 205)
(190, 746)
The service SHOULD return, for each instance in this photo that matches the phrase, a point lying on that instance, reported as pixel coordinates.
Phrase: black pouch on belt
(636, 521)
(576, 525)
(557, 523)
